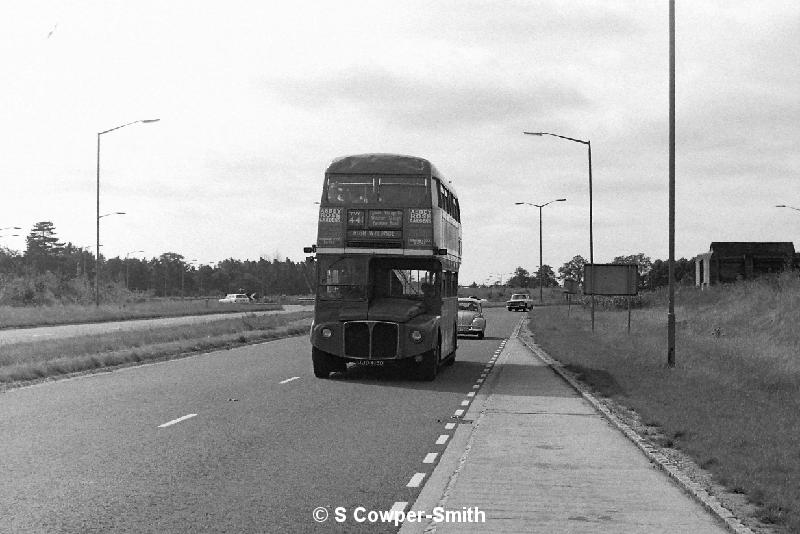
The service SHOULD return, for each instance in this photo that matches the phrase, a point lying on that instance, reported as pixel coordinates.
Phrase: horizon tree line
(50, 270)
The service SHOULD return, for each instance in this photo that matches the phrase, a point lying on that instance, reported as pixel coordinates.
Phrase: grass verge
(19, 317)
(732, 403)
(26, 362)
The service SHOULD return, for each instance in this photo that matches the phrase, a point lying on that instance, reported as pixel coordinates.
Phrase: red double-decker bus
(388, 251)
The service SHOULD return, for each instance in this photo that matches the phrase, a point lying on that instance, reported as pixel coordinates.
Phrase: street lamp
(785, 206)
(97, 259)
(591, 238)
(127, 266)
(540, 206)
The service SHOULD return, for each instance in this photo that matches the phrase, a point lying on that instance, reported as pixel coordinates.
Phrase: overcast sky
(256, 98)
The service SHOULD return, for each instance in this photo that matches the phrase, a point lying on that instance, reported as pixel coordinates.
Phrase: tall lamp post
(591, 238)
(540, 206)
(97, 259)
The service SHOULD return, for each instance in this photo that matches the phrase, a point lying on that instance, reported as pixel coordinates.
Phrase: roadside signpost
(570, 288)
(612, 280)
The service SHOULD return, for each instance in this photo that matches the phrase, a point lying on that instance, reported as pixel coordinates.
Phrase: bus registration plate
(370, 363)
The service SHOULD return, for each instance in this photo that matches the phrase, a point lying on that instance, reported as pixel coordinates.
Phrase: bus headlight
(416, 336)
(327, 332)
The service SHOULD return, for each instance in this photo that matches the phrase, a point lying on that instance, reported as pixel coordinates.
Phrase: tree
(658, 276)
(644, 263)
(545, 277)
(521, 278)
(171, 265)
(573, 269)
(43, 249)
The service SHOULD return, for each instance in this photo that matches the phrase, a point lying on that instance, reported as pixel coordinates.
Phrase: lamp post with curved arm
(591, 237)
(785, 206)
(97, 259)
(540, 206)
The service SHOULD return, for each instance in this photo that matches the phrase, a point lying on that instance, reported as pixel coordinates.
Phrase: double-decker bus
(388, 251)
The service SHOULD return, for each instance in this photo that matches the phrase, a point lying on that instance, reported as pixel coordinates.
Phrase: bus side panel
(448, 325)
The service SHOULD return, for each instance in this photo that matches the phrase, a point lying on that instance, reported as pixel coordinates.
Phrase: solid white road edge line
(178, 420)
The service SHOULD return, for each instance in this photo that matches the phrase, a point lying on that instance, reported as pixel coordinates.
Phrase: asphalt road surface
(242, 440)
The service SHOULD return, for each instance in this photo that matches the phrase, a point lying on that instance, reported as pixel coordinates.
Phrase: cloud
(427, 103)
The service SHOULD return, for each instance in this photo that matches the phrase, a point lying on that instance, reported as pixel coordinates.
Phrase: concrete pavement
(534, 456)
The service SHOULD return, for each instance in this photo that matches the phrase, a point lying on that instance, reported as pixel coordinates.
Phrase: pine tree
(44, 250)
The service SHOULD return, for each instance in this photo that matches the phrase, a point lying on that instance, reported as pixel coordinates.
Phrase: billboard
(610, 279)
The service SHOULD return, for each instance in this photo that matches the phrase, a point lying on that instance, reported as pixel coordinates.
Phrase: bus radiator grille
(356, 340)
(366, 339)
(384, 340)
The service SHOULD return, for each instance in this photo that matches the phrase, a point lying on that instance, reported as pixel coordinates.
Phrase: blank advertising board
(610, 279)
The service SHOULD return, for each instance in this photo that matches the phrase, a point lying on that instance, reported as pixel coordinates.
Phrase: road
(242, 440)
(27, 335)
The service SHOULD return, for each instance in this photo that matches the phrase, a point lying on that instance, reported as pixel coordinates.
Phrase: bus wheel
(430, 363)
(323, 363)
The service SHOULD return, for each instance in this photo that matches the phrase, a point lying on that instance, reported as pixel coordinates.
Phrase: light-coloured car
(470, 317)
(236, 298)
(519, 301)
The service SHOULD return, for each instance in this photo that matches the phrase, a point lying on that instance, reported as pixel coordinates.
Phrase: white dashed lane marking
(430, 458)
(416, 480)
(442, 439)
(178, 420)
(288, 380)
(399, 506)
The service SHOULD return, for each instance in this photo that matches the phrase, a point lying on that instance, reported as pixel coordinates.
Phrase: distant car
(470, 317)
(519, 301)
(235, 298)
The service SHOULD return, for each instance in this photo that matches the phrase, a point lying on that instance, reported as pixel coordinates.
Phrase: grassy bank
(733, 400)
(22, 362)
(25, 316)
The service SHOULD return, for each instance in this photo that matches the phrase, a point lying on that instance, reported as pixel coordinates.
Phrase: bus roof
(383, 164)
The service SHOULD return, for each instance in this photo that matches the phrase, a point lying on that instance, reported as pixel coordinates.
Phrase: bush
(48, 289)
